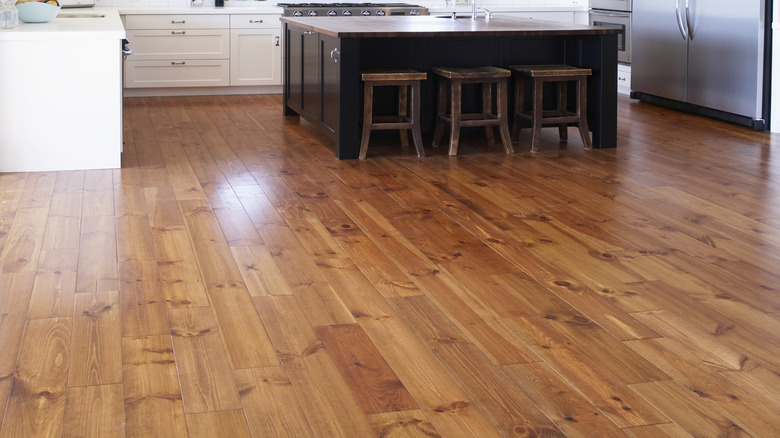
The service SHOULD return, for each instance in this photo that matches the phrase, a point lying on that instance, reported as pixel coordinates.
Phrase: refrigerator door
(659, 51)
(725, 61)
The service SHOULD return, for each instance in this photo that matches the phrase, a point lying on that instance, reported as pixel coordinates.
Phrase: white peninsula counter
(61, 93)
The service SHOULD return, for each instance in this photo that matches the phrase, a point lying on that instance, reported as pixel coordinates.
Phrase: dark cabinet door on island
(303, 73)
(312, 75)
(330, 80)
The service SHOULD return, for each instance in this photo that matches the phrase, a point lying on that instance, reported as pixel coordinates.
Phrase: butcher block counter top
(439, 26)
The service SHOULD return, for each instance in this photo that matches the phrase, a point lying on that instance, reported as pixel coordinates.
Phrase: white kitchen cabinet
(255, 50)
(178, 50)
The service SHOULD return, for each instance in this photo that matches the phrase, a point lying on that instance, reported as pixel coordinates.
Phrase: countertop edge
(462, 27)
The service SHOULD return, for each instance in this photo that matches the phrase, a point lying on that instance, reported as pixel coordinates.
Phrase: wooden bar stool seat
(408, 117)
(560, 116)
(452, 114)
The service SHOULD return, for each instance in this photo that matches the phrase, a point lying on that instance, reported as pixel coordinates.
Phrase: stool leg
(455, 116)
(563, 132)
(368, 103)
(538, 112)
(402, 104)
(519, 108)
(438, 131)
(415, 115)
(501, 109)
(582, 111)
(487, 109)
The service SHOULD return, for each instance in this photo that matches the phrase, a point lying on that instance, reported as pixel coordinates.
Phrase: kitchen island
(324, 56)
(61, 93)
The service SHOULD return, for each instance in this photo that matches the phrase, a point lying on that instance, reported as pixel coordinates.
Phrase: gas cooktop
(350, 9)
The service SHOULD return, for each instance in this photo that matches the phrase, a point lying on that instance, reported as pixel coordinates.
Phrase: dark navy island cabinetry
(323, 58)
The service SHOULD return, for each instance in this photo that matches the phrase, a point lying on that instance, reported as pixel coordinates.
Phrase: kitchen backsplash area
(428, 3)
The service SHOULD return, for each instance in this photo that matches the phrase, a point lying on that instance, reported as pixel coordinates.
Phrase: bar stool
(404, 79)
(560, 116)
(455, 77)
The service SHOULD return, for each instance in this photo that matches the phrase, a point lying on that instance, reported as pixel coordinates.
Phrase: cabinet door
(255, 57)
(330, 53)
(179, 44)
(294, 66)
(311, 73)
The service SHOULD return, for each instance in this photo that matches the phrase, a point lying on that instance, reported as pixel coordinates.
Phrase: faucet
(473, 9)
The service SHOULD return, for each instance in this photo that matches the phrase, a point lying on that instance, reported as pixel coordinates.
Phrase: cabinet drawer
(177, 21)
(191, 73)
(179, 44)
(256, 21)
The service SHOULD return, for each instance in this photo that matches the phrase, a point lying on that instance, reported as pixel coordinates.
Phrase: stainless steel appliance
(350, 9)
(614, 14)
(77, 3)
(704, 56)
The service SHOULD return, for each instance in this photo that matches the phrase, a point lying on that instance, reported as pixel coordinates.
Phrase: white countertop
(197, 10)
(62, 28)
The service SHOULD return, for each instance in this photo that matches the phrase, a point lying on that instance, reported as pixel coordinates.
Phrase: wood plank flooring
(235, 279)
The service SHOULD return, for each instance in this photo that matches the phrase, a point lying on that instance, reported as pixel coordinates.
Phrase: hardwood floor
(235, 279)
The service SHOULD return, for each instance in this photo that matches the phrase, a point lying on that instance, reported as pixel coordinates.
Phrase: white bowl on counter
(37, 12)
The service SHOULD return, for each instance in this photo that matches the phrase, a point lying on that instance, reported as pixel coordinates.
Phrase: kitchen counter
(69, 24)
(324, 56)
(439, 26)
(61, 94)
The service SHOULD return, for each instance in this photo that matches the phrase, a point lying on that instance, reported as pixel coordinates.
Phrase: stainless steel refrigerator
(706, 56)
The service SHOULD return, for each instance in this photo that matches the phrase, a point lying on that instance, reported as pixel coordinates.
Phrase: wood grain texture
(271, 405)
(229, 277)
(96, 357)
(222, 423)
(153, 401)
(95, 411)
(202, 361)
(36, 405)
(54, 291)
(374, 384)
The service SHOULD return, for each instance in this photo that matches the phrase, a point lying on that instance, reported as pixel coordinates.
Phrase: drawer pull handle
(178, 21)
(177, 32)
(255, 21)
(177, 63)
(276, 41)
(308, 32)
(335, 54)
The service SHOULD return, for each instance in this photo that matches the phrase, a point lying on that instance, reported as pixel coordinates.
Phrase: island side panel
(599, 53)
(348, 105)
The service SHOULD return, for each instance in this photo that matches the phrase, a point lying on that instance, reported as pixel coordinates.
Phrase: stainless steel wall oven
(615, 14)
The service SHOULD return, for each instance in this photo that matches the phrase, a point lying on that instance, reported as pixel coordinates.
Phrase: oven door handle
(680, 25)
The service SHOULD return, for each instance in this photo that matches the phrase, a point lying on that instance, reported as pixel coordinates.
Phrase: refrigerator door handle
(688, 20)
(680, 24)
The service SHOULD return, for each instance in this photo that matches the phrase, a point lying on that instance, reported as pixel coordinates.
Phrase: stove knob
(380, 13)
(365, 13)
(347, 13)
(413, 12)
(332, 13)
(313, 13)
(297, 13)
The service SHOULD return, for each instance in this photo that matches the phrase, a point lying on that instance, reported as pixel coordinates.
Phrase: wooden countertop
(434, 26)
